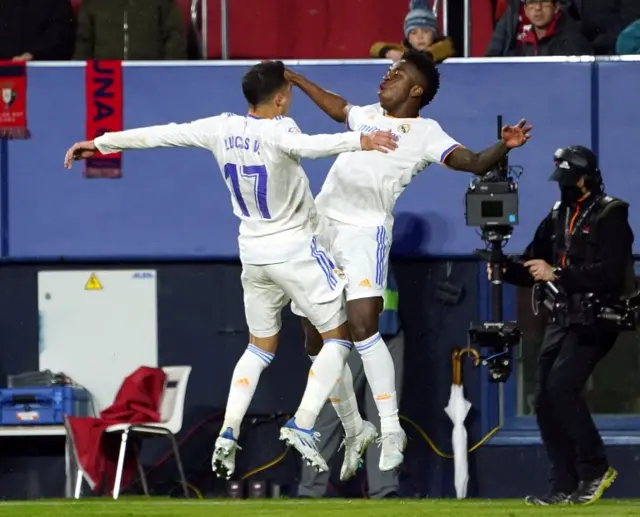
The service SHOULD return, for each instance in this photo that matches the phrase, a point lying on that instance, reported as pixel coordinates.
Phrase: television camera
(491, 204)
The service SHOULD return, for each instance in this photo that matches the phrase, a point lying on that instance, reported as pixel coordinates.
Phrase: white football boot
(223, 461)
(305, 442)
(354, 449)
(392, 453)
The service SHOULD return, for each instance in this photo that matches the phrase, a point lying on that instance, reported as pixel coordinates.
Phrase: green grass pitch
(157, 507)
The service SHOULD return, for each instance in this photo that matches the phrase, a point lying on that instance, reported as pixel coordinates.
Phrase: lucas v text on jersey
(242, 143)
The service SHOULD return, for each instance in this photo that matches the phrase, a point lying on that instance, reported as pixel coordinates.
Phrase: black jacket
(601, 21)
(43, 28)
(564, 40)
(503, 41)
(604, 235)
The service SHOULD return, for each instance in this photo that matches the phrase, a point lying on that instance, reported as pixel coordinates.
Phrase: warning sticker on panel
(93, 284)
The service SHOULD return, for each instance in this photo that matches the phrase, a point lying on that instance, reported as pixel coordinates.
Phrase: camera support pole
(497, 336)
(497, 265)
(497, 257)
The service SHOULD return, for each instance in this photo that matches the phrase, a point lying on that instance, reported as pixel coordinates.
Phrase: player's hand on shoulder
(79, 151)
(382, 141)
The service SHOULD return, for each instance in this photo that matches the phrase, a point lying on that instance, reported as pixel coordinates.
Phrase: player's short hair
(425, 65)
(262, 81)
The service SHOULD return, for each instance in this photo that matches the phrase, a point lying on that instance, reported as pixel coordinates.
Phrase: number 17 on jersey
(239, 176)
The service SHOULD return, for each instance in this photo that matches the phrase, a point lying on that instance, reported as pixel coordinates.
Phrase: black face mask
(570, 194)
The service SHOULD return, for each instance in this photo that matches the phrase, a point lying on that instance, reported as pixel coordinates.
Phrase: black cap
(572, 163)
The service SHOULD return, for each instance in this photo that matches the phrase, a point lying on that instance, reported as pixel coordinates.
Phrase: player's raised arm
(462, 159)
(333, 105)
(290, 140)
(200, 134)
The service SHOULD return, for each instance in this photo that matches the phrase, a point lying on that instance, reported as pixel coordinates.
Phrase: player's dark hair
(423, 61)
(262, 81)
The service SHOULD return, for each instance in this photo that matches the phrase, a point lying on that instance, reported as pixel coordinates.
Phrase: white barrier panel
(97, 327)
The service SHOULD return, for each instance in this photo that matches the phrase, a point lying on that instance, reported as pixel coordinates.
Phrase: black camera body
(491, 202)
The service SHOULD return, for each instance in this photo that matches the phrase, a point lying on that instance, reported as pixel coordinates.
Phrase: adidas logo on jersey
(365, 283)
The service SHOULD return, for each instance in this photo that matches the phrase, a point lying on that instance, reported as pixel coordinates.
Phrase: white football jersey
(362, 188)
(260, 163)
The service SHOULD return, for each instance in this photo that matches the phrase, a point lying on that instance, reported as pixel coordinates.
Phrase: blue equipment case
(42, 406)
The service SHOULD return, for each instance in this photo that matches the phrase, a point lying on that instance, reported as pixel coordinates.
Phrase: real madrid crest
(404, 128)
(339, 273)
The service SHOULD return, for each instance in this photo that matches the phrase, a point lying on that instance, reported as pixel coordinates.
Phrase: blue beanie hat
(629, 40)
(420, 16)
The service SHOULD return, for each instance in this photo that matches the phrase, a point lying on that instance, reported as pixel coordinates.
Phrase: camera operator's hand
(516, 136)
(540, 270)
(490, 269)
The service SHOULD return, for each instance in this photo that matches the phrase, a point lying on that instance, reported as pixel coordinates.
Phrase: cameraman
(583, 246)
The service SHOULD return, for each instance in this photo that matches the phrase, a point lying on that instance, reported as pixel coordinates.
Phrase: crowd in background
(565, 28)
(157, 30)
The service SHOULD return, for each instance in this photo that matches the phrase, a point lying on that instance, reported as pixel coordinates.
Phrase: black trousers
(573, 443)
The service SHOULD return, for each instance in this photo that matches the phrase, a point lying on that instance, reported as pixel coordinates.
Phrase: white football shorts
(313, 284)
(361, 253)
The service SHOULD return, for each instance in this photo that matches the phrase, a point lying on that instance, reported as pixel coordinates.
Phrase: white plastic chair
(171, 413)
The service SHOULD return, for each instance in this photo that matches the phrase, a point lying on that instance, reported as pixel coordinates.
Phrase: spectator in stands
(421, 33)
(112, 29)
(553, 32)
(629, 40)
(537, 28)
(601, 21)
(36, 29)
(511, 29)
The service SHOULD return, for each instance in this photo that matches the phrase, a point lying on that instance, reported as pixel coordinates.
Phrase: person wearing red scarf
(552, 32)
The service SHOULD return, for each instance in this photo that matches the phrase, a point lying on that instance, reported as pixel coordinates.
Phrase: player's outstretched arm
(291, 141)
(200, 133)
(462, 159)
(333, 105)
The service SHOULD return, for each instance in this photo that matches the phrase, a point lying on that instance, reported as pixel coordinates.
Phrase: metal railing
(199, 23)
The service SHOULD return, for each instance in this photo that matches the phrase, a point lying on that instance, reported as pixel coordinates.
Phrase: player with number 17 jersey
(260, 162)
(259, 157)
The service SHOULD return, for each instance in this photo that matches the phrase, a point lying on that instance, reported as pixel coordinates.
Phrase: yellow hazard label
(93, 284)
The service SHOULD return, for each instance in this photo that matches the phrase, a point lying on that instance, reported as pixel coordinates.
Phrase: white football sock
(243, 385)
(343, 399)
(381, 376)
(325, 372)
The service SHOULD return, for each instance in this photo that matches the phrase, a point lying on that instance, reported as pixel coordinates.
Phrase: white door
(97, 327)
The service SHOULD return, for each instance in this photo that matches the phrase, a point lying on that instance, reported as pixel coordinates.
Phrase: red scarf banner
(103, 83)
(13, 100)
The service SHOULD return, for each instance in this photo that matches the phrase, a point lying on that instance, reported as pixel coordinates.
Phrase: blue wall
(173, 203)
